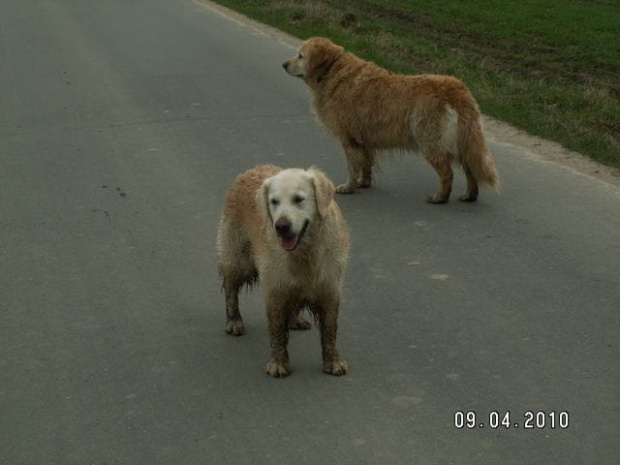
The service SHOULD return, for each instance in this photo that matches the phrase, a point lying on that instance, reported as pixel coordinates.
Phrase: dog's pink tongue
(289, 243)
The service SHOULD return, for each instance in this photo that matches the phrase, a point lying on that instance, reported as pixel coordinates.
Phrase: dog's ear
(262, 199)
(323, 190)
(322, 55)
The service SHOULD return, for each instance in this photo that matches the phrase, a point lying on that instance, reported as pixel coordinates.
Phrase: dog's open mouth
(291, 242)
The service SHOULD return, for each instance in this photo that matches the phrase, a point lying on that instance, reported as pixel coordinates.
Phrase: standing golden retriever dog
(284, 227)
(370, 108)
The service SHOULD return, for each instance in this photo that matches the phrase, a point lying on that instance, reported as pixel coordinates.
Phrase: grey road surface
(121, 125)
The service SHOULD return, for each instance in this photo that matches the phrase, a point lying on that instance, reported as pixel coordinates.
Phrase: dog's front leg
(278, 320)
(328, 322)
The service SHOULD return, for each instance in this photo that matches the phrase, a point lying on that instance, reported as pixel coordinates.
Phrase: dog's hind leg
(297, 322)
(368, 164)
(234, 322)
(236, 268)
(472, 186)
(442, 164)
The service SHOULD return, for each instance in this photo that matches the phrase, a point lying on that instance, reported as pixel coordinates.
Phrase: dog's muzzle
(288, 239)
(286, 65)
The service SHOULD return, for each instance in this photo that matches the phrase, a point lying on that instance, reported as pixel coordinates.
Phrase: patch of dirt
(495, 130)
(503, 133)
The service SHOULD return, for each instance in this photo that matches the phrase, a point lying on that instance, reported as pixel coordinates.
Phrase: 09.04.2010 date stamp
(528, 420)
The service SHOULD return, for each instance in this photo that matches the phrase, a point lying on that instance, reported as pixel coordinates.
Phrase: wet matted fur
(284, 228)
(369, 109)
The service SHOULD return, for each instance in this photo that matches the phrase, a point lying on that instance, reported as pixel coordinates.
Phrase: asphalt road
(122, 123)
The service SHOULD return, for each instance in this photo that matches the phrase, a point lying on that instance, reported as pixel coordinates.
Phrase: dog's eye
(274, 202)
(298, 199)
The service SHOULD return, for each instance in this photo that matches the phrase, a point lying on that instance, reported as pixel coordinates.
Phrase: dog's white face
(291, 204)
(292, 200)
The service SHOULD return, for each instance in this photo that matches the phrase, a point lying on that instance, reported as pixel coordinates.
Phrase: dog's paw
(364, 183)
(299, 324)
(345, 189)
(469, 197)
(277, 370)
(235, 327)
(437, 199)
(336, 367)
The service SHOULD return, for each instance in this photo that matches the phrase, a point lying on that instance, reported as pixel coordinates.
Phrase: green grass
(550, 67)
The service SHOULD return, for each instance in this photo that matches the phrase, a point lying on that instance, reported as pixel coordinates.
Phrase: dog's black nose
(283, 226)
(285, 65)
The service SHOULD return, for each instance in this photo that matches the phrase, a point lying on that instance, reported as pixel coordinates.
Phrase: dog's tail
(473, 152)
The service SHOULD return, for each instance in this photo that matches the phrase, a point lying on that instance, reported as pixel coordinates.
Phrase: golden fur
(284, 227)
(369, 108)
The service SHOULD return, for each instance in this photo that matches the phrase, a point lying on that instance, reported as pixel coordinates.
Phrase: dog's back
(240, 207)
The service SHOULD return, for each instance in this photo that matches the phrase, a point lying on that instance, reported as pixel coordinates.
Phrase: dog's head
(293, 200)
(315, 58)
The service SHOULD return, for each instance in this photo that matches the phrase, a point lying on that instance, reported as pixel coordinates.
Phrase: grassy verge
(550, 67)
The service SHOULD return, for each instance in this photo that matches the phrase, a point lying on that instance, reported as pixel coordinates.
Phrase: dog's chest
(302, 274)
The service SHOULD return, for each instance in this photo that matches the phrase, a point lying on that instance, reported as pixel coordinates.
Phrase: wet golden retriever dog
(370, 109)
(283, 227)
